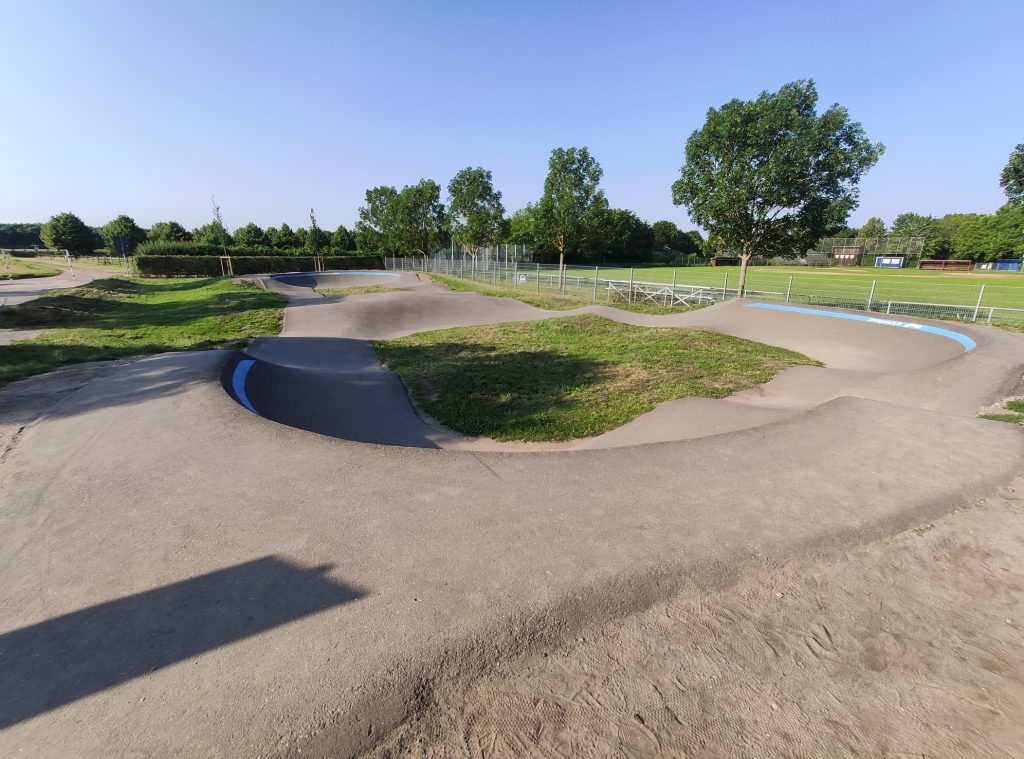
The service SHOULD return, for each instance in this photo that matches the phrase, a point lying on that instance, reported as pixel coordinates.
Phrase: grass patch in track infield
(341, 292)
(570, 377)
(115, 318)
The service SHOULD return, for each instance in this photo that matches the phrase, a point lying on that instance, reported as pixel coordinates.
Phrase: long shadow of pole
(52, 663)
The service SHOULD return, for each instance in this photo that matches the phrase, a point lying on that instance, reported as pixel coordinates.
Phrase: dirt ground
(906, 647)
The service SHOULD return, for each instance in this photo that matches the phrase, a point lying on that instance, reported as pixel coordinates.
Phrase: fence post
(871, 295)
(595, 283)
(977, 307)
(673, 287)
(538, 277)
(789, 288)
(725, 287)
(629, 296)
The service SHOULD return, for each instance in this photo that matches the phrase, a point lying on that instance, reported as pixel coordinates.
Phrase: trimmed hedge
(208, 266)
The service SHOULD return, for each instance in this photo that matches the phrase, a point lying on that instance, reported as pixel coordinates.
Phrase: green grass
(1003, 289)
(550, 301)
(114, 318)
(1014, 413)
(341, 292)
(572, 376)
(19, 268)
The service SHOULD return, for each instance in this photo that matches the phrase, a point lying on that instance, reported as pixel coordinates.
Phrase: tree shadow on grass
(475, 390)
(60, 660)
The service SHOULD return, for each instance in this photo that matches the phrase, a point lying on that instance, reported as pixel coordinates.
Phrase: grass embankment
(548, 300)
(570, 377)
(19, 268)
(114, 318)
(1014, 413)
(341, 292)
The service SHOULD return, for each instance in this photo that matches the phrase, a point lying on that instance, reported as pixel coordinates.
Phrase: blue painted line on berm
(963, 339)
(238, 382)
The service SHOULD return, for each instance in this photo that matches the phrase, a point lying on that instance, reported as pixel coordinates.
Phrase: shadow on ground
(52, 663)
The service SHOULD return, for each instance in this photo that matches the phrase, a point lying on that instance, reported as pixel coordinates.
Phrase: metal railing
(984, 302)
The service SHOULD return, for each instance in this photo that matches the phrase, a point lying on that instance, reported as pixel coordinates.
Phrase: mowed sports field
(1002, 289)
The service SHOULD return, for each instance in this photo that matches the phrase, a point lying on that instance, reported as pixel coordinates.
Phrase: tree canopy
(65, 231)
(342, 240)
(283, 237)
(251, 235)
(212, 233)
(1012, 177)
(168, 231)
(375, 229)
(667, 234)
(475, 212)
(770, 176)
(418, 217)
(873, 227)
(568, 211)
(123, 226)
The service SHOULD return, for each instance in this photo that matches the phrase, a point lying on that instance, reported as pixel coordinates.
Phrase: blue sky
(148, 108)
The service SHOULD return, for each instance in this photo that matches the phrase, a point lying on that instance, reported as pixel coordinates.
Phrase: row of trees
(571, 217)
(975, 236)
(66, 231)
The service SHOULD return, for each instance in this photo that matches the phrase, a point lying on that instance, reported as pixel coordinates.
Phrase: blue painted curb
(238, 382)
(964, 340)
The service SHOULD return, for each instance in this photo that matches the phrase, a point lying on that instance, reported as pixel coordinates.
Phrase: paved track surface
(182, 577)
(15, 291)
(321, 374)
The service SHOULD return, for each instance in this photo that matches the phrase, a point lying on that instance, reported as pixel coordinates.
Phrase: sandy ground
(910, 646)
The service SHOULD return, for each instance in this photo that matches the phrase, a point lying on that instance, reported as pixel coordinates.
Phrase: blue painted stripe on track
(321, 273)
(238, 382)
(964, 340)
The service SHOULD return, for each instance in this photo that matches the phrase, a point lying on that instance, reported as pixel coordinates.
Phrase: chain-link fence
(993, 302)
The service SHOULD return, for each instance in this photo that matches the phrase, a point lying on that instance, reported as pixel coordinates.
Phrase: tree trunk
(741, 289)
(561, 269)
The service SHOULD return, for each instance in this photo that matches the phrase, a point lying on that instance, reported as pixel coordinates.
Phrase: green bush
(208, 266)
(175, 248)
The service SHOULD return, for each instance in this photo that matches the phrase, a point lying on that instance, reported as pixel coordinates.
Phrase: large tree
(521, 228)
(418, 217)
(124, 227)
(770, 176)
(283, 237)
(251, 236)
(212, 233)
(342, 240)
(168, 231)
(568, 211)
(873, 227)
(65, 231)
(911, 224)
(475, 212)
(375, 229)
(1012, 177)
(619, 235)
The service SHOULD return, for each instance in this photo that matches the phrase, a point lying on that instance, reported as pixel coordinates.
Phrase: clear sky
(148, 108)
